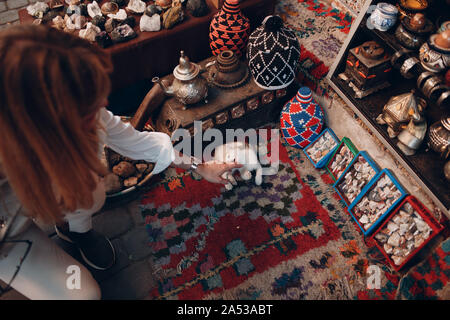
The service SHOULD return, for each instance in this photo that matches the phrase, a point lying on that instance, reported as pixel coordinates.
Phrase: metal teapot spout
(167, 90)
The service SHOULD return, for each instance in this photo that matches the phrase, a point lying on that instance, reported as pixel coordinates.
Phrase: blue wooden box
(371, 162)
(368, 188)
(324, 160)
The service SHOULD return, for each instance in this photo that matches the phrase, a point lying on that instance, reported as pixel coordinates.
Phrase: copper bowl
(407, 8)
(410, 38)
(126, 194)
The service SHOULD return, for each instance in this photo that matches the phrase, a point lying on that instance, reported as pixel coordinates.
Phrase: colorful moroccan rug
(430, 279)
(289, 238)
(321, 31)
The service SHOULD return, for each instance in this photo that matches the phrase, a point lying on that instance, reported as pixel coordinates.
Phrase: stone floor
(132, 275)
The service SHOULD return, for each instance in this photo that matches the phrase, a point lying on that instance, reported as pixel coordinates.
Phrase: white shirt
(121, 137)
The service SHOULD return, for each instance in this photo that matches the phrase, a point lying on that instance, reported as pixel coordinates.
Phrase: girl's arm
(154, 147)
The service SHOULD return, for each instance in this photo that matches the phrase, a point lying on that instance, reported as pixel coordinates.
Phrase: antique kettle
(399, 110)
(188, 86)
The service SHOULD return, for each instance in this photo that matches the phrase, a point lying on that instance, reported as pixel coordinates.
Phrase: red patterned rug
(289, 238)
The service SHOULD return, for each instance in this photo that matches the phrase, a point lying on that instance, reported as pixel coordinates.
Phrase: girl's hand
(212, 170)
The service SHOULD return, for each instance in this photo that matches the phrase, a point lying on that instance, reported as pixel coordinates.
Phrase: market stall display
(321, 149)
(356, 176)
(341, 158)
(377, 199)
(409, 111)
(156, 50)
(405, 232)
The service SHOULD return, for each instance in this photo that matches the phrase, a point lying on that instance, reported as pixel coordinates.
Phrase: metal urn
(435, 53)
(400, 110)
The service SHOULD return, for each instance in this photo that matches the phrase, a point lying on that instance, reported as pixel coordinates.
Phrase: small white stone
(69, 24)
(152, 23)
(364, 219)
(381, 237)
(90, 32)
(421, 225)
(79, 21)
(418, 241)
(394, 239)
(372, 205)
(397, 219)
(397, 260)
(392, 227)
(93, 9)
(120, 15)
(403, 228)
(136, 6)
(37, 10)
(388, 248)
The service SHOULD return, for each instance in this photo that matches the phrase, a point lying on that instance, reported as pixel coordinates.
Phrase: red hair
(50, 81)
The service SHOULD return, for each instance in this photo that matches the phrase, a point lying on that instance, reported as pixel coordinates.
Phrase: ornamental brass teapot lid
(186, 70)
(372, 50)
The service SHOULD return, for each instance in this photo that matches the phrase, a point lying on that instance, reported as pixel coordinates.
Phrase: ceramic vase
(302, 119)
(383, 17)
(229, 29)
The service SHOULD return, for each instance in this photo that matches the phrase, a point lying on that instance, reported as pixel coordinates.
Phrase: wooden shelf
(425, 166)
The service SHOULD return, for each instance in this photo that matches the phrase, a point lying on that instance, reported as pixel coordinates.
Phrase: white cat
(244, 154)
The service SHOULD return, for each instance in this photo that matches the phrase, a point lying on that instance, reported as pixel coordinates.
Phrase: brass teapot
(188, 86)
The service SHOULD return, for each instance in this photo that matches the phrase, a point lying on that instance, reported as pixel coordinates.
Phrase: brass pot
(407, 8)
(410, 37)
(227, 71)
(439, 137)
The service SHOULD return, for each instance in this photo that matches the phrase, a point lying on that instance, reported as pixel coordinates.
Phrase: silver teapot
(188, 86)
